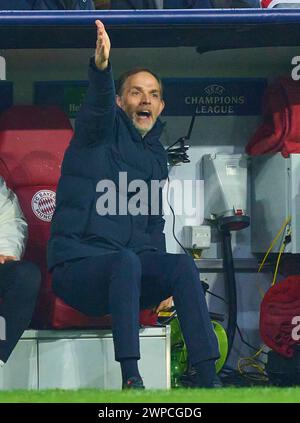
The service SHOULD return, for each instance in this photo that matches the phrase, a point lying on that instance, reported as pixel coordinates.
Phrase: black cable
(188, 136)
(172, 145)
(181, 155)
(234, 378)
(247, 343)
(191, 126)
(217, 296)
(178, 155)
(237, 326)
(173, 225)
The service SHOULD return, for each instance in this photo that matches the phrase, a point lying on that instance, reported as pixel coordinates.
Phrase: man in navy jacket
(105, 256)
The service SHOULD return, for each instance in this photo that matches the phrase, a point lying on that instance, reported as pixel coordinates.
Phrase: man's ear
(119, 101)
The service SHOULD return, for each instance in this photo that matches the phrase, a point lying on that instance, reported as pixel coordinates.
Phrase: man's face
(141, 100)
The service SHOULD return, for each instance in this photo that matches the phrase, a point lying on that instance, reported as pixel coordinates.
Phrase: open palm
(102, 46)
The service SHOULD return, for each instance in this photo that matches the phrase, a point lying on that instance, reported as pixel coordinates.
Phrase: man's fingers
(100, 40)
(10, 258)
(165, 305)
(4, 259)
(102, 46)
(106, 37)
(99, 24)
(99, 43)
(100, 29)
(101, 32)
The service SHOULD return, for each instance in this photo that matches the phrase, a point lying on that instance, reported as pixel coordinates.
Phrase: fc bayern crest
(43, 204)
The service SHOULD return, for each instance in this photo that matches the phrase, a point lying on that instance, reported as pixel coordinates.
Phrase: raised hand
(102, 46)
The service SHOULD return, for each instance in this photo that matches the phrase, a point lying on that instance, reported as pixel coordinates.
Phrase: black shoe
(133, 383)
(217, 383)
(190, 380)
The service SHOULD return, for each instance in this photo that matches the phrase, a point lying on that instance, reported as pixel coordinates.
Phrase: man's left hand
(5, 259)
(164, 305)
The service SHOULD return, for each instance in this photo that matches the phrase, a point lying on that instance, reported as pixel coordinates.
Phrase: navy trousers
(19, 287)
(121, 283)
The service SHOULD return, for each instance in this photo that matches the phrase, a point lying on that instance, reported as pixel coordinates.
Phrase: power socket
(196, 237)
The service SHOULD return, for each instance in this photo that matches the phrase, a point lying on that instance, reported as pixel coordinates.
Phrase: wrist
(101, 66)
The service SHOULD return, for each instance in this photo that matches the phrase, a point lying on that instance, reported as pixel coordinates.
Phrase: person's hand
(4, 258)
(164, 305)
(102, 46)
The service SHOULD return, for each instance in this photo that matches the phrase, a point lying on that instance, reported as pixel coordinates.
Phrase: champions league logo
(43, 204)
(215, 101)
(214, 89)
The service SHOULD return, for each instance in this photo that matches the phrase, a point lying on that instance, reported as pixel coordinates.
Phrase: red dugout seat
(33, 140)
(32, 144)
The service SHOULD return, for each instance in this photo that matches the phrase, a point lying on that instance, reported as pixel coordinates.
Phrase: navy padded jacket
(105, 143)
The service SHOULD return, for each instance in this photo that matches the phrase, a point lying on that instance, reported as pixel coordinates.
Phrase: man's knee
(128, 261)
(186, 272)
(127, 273)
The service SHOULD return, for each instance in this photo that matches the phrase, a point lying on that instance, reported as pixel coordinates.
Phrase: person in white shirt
(19, 280)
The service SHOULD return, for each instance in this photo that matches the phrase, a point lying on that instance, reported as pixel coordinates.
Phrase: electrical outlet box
(196, 237)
